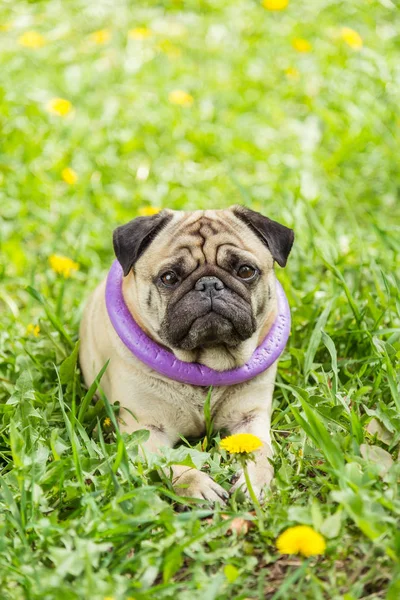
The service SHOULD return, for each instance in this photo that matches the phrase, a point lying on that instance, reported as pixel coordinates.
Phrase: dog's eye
(169, 278)
(246, 272)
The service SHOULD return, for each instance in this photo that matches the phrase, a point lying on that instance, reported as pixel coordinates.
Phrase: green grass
(317, 148)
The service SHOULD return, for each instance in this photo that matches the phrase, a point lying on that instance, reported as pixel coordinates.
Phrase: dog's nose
(208, 283)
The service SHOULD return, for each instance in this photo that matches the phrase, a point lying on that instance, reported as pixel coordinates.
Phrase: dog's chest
(187, 406)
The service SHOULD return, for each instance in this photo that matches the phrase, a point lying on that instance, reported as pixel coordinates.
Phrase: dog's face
(202, 282)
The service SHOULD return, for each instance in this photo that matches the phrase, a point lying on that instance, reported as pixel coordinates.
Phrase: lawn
(110, 110)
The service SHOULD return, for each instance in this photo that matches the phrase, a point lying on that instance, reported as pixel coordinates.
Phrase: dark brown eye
(169, 278)
(246, 272)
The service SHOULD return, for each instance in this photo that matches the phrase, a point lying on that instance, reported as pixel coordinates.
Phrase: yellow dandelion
(107, 422)
(301, 539)
(6, 26)
(31, 39)
(241, 443)
(59, 107)
(292, 73)
(148, 211)
(275, 4)
(69, 176)
(62, 265)
(181, 98)
(351, 38)
(33, 330)
(301, 45)
(169, 49)
(102, 36)
(140, 33)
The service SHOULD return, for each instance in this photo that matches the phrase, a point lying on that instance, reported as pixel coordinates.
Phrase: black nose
(209, 283)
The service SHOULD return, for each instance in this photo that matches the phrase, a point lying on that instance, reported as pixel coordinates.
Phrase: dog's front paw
(196, 484)
(260, 476)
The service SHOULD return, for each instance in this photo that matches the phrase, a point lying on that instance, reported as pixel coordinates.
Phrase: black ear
(277, 237)
(132, 239)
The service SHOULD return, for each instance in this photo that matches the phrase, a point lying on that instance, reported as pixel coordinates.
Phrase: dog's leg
(185, 480)
(260, 470)
(248, 410)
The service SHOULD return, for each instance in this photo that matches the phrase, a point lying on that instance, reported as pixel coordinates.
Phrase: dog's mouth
(210, 330)
(210, 308)
(214, 324)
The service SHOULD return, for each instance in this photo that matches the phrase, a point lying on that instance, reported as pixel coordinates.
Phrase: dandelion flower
(241, 443)
(107, 422)
(275, 4)
(301, 45)
(31, 39)
(33, 330)
(169, 49)
(102, 36)
(62, 265)
(292, 73)
(59, 107)
(181, 98)
(148, 211)
(69, 176)
(6, 26)
(140, 33)
(301, 539)
(352, 38)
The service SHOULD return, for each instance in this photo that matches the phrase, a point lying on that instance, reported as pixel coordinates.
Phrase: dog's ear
(278, 238)
(132, 239)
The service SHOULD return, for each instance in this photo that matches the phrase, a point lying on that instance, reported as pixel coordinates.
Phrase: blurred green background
(113, 109)
(302, 135)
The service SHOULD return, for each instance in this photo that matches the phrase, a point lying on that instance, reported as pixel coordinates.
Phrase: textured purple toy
(165, 363)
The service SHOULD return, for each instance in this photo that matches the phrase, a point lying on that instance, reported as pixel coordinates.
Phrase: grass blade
(90, 393)
(315, 339)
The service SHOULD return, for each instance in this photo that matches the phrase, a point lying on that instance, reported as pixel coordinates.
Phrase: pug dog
(202, 285)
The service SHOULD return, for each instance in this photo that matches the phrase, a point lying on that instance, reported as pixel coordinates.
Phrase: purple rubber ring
(166, 363)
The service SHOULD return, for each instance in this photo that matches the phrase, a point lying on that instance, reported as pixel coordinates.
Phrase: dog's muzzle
(210, 285)
(210, 310)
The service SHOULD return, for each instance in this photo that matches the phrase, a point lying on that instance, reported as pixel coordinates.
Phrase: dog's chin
(209, 331)
(213, 341)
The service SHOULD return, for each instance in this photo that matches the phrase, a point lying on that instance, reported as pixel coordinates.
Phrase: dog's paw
(260, 477)
(192, 483)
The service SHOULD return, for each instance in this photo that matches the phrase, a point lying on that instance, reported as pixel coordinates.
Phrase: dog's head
(202, 283)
